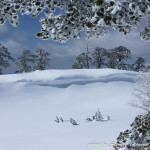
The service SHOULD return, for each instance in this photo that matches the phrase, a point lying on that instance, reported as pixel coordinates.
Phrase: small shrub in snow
(88, 119)
(57, 119)
(61, 119)
(108, 118)
(98, 117)
(73, 122)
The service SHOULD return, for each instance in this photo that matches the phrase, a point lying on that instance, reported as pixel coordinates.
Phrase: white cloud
(74, 47)
(64, 54)
(4, 28)
(19, 35)
(13, 46)
(132, 41)
(69, 49)
(14, 39)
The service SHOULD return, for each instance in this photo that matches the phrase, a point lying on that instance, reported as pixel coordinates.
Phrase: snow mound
(30, 102)
(65, 78)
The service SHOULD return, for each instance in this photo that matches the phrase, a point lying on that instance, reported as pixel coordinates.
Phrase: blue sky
(63, 55)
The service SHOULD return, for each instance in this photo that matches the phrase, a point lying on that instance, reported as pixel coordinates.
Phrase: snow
(30, 102)
(116, 8)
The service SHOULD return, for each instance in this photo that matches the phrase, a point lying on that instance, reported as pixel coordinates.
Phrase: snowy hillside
(30, 102)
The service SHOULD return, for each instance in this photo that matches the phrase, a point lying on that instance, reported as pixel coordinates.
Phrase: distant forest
(117, 58)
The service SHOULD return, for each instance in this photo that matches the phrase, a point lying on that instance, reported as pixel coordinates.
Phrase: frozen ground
(30, 102)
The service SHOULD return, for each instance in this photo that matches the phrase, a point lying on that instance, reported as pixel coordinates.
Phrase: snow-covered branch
(142, 92)
(94, 17)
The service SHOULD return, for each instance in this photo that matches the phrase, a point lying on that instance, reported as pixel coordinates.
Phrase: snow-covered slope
(30, 102)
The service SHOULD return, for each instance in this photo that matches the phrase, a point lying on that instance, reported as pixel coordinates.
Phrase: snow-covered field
(30, 102)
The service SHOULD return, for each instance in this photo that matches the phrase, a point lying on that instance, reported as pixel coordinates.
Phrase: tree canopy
(137, 138)
(5, 56)
(94, 17)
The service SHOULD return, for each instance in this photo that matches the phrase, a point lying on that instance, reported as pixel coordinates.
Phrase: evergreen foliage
(82, 61)
(148, 66)
(41, 59)
(138, 137)
(99, 56)
(73, 122)
(24, 62)
(61, 119)
(94, 17)
(5, 56)
(118, 57)
(97, 117)
(29, 61)
(57, 119)
(139, 64)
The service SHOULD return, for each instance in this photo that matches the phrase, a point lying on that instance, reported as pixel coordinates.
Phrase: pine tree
(5, 56)
(98, 116)
(139, 64)
(80, 62)
(94, 17)
(138, 137)
(42, 59)
(118, 57)
(73, 122)
(99, 55)
(25, 61)
(83, 61)
(130, 67)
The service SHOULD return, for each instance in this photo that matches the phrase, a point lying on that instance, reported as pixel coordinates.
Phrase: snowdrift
(30, 102)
